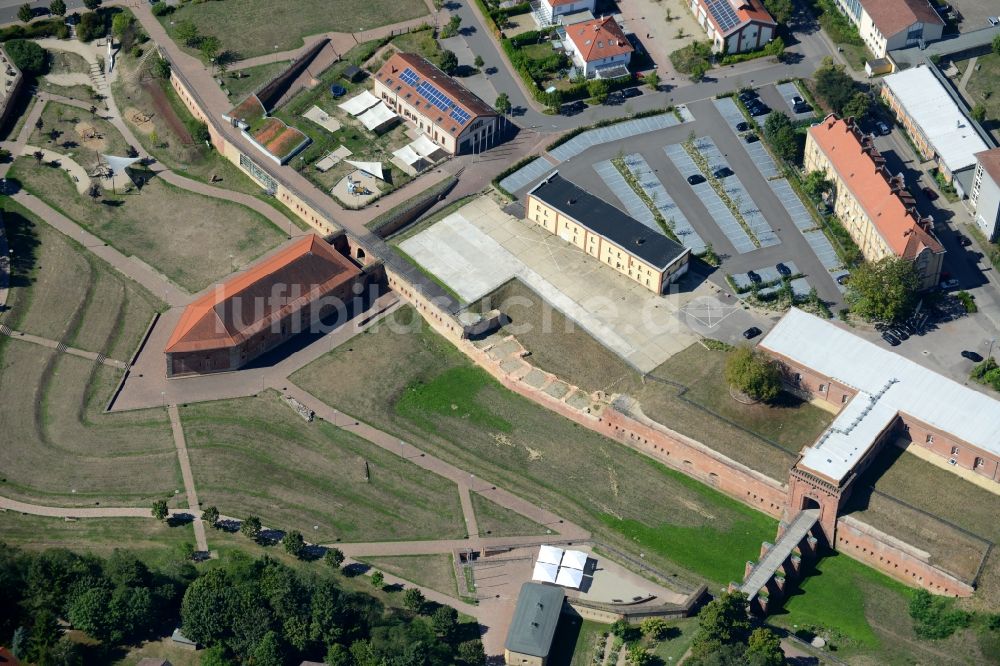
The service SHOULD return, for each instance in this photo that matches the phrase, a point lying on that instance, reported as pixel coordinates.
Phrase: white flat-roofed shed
(945, 125)
(887, 384)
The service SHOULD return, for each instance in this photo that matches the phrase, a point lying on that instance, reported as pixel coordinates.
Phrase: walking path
(53, 344)
(192, 495)
(77, 173)
(969, 71)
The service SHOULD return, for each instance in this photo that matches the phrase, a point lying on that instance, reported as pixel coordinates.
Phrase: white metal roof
(545, 573)
(359, 103)
(569, 577)
(928, 103)
(550, 555)
(942, 403)
(575, 559)
(376, 117)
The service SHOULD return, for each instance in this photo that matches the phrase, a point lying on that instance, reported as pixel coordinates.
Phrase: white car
(948, 284)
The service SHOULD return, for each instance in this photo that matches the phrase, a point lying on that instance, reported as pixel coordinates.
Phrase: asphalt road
(8, 8)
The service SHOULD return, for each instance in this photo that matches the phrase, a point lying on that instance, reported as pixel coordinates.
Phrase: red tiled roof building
(598, 45)
(259, 309)
(447, 112)
(734, 26)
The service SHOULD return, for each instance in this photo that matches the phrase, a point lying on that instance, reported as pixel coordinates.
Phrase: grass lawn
(984, 87)
(62, 63)
(565, 349)
(256, 455)
(434, 572)
(262, 26)
(194, 249)
(245, 81)
(577, 641)
(528, 450)
(497, 521)
(678, 640)
(79, 134)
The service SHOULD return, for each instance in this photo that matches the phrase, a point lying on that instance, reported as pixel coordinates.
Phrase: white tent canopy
(569, 577)
(377, 117)
(373, 169)
(575, 559)
(411, 158)
(426, 148)
(359, 103)
(550, 555)
(545, 573)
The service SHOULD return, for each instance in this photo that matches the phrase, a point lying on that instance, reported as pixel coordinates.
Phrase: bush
(752, 373)
(935, 617)
(693, 60)
(161, 9)
(29, 57)
(968, 301)
(199, 132)
(91, 27)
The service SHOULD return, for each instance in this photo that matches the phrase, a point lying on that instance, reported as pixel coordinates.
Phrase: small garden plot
(77, 133)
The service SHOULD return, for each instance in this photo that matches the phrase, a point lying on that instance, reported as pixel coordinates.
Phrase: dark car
(964, 241)
(929, 193)
(615, 98)
(784, 270)
(723, 172)
(972, 356)
(802, 108)
(760, 110)
(843, 279)
(572, 108)
(748, 95)
(890, 338)
(743, 127)
(899, 333)
(751, 333)
(695, 179)
(629, 93)
(754, 277)
(751, 138)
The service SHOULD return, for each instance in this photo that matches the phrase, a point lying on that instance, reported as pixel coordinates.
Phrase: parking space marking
(615, 132)
(665, 204)
(634, 205)
(823, 249)
(787, 92)
(792, 204)
(717, 210)
(527, 174)
(730, 112)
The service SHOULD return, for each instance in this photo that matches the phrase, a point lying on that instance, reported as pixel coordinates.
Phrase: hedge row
(54, 27)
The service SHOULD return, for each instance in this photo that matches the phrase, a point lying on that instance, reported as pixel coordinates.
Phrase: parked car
(572, 108)
(929, 193)
(797, 100)
(948, 284)
(801, 108)
(882, 128)
(615, 98)
(890, 338)
(743, 127)
(748, 95)
(751, 333)
(784, 270)
(754, 277)
(751, 138)
(964, 241)
(899, 333)
(759, 110)
(695, 179)
(629, 93)
(972, 356)
(723, 172)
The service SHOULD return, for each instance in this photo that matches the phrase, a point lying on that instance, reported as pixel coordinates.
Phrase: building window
(843, 398)
(822, 388)
(954, 450)
(980, 462)
(798, 378)
(930, 440)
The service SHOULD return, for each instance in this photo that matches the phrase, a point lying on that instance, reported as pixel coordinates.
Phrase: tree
(206, 607)
(764, 648)
(187, 32)
(39, 156)
(413, 599)
(334, 557)
(90, 27)
(94, 191)
(638, 656)
(161, 8)
(858, 107)
(444, 620)
(478, 62)
(295, 544)
(91, 4)
(503, 103)
(19, 643)
(448, 62)
(161, 68)
(472, 652)
(451, 28)
(121, 23)
(598, 89)
(655, 627)
(210, 516)
(816, 184)
(752, 373)
(780, 132)
(251, 527)
(833, 85)
(24, 13)
(57, 7)
(722, 621)
(653, 81)
(337, 655)
(693, 59)
(200, 132)
(885, 290)
(209, 45)
(781, 10)
(45, 633)
(979, 112)
(378, 579)
(160, 510)
(66, 653)
(268, 651)
(215, 656)
(29, 57)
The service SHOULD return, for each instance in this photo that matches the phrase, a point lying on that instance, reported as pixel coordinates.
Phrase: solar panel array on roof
(724, 14)
(409, 77)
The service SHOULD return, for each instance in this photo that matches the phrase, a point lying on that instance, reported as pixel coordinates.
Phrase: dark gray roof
(605, 220)
(535, 619)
